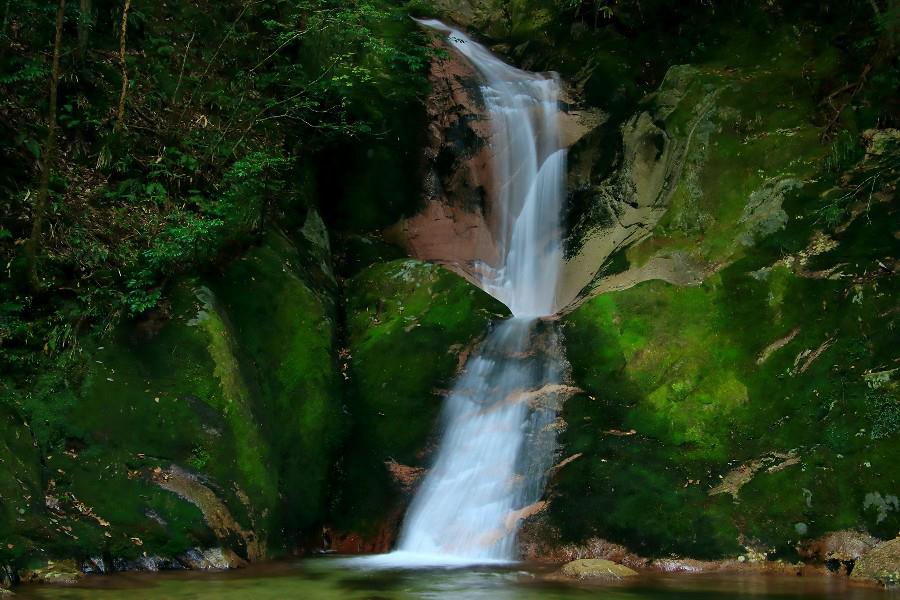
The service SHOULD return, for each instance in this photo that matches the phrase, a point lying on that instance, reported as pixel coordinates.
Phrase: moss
(407, 324)
(154, 394)
(355, 253)
(688, 370)
(20, 484)
(751, 141)
(285, 328)
(247, 405)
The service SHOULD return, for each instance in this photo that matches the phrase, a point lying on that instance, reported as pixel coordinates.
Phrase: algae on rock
(409, 327)
(241, 408)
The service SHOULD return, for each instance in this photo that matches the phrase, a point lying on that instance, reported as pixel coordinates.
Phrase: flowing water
(498, 439)
(329, 579)
(529, 172)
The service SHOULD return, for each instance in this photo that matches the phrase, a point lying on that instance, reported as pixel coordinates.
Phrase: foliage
(226, 103)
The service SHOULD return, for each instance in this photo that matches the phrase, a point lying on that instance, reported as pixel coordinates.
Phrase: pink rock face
(454, 226)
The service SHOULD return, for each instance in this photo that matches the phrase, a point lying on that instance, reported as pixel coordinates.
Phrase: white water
(498, 438)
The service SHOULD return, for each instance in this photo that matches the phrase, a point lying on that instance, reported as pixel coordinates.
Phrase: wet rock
(210, 559)
(215, 512)
(592, 568)
(843, 546)
(881, 141)
(405, 476)
(881, 564)
(454, 225)
(94, 566)
(64, 572)
(8, 576)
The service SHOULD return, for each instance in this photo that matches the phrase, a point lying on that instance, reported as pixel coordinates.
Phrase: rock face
(589, 568)
(750, 370)
(882, 564)
(624, 208)
(210, 423)
(454, 227)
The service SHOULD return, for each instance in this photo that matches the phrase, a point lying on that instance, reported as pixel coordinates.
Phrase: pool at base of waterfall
(336, 578)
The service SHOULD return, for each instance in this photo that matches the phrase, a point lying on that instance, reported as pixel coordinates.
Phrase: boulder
(594, 568)
(881, 564)
(210, 422)
(843, 546)
(63, 572)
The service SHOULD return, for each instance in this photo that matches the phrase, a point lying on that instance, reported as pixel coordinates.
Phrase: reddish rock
(354, 543)
(454, 227)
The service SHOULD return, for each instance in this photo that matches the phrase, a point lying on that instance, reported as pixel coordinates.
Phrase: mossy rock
(408, 323)
(281, 305)
(592, 568)
(64, 572)
(758, 406)
(211, 422)
(881, 564)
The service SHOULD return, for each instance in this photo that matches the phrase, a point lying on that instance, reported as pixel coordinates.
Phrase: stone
(64, 572)
(881, 564)
(879, 141)
(210, 559)
(839, 545)
(593, 568)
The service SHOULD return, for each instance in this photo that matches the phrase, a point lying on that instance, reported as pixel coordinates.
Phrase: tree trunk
(43, 197)
(120, 114)
(84, 26)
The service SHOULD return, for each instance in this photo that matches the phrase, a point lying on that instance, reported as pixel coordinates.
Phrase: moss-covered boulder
(597, 569)
(409, 327)
(281, 303)
(64, 572)
(211, 422)
(881, 564)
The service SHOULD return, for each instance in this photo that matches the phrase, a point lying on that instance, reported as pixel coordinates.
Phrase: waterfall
(498, 442)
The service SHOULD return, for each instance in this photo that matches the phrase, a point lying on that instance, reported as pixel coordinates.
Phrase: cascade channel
(498, 438)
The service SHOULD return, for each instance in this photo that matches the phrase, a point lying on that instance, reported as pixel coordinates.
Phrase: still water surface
(332, 578)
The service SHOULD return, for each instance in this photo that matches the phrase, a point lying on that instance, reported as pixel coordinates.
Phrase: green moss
(285, 328)
(234, 402)
(696, 373)
(249, 405)
(20, 484)
(407, 323)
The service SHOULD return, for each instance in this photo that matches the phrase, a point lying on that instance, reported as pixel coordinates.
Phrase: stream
(329, 578)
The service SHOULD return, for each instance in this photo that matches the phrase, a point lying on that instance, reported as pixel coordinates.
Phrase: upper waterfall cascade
(529, 170)
(498, 441)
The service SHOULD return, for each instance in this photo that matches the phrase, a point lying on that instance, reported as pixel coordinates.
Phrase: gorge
(485, 297)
